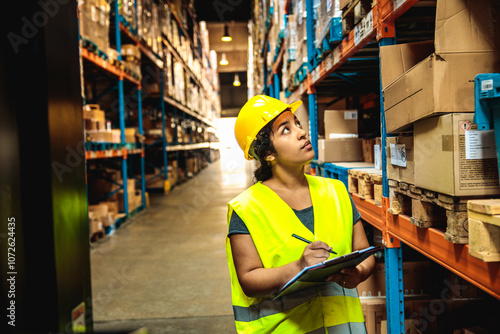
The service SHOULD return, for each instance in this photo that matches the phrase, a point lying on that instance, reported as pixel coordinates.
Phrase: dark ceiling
(223, 10)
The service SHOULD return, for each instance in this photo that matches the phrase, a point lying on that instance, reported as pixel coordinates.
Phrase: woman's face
(290, 141)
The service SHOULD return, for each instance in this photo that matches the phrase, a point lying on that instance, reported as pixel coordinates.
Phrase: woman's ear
(270, 158)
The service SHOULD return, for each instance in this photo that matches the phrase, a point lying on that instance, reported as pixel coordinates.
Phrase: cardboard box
(340, 150)
(440, 157)
(341, 123)
(467, 25)
(343, 3)
(368, 150)
(402, 167)
(396, 59)
(441, 83)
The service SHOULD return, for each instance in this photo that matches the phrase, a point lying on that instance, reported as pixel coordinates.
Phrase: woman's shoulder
(247, 194)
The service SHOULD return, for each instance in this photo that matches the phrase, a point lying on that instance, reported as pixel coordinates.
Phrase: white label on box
(480, 144)
(364, 28)
(398, 3)
(378, 156)
(398, 155)
(351, 114)
(487, 84)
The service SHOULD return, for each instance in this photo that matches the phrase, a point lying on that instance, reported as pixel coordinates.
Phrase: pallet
(428, 208)
(301, 74)
(367, 183)
(484, 229)
(97, 236)
(92, 47)
(353, 13)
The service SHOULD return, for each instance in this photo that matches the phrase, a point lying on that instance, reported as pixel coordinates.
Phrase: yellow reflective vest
(271, 222)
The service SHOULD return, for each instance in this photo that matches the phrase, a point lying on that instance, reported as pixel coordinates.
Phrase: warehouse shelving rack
(123, 150)
(379, 28)
(126, 83)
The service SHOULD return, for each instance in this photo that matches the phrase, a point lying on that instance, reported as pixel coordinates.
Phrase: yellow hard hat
(254, 115)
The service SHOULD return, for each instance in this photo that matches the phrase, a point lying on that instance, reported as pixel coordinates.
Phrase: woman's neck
(287, 178)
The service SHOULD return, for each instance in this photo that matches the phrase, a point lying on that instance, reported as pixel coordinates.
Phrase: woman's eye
(286, 130)
(299, 125)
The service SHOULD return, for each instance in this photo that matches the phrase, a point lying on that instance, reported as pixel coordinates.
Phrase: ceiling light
(226, 37)
(236, 81)
(223, 60)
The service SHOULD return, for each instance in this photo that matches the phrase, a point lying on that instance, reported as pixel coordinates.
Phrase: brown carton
(467, 26)
(340, 150)
(403, 168)
(441, 83)
(441, 163)
(339, 123)
(395, 60)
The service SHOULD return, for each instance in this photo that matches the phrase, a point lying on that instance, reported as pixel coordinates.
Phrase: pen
(305, 240)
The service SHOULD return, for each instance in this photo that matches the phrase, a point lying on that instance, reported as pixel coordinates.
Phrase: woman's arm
(257, 281)
(351, 277)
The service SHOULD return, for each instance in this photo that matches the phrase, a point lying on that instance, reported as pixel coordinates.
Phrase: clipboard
(316, 274)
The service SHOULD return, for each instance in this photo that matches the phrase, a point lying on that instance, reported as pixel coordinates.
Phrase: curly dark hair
(263, 147)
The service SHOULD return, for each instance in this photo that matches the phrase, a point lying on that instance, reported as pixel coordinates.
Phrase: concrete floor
(165, 269)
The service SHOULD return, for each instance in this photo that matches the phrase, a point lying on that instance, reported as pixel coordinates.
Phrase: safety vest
(327, 308)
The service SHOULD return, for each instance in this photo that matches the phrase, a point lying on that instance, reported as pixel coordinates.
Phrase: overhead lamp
(226, 37)
(223, 60)
(236, 82)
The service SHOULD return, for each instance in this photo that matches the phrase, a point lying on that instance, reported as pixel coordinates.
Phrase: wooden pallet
(428, 208)
(367, 183)
(484, 229)
(97, 236)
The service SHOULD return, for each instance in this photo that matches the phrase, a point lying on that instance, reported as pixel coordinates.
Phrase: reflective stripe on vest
(271, 222)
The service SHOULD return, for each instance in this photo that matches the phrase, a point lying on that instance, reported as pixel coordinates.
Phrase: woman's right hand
(315, 253)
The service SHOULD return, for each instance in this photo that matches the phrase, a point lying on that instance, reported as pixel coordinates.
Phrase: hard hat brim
(292, 107)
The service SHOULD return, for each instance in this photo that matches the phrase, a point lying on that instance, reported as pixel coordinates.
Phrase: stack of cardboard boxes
(428, 87)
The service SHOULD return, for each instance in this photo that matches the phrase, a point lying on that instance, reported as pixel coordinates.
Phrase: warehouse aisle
(166, 268)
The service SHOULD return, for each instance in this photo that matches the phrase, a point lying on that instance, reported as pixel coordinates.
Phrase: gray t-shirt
(306, 217)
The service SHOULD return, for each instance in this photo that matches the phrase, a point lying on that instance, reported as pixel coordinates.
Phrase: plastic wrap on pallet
(300, 18)
(155, 30)
(127, 11)
(165, 18)
(327, 10)
(94, 22)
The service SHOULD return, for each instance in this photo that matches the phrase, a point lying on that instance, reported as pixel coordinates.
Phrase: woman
(263, 256)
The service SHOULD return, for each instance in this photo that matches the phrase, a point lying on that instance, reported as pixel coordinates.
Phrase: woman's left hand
(347, 278)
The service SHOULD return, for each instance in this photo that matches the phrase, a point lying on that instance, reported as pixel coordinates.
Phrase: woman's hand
(314, 253)
(347, 277)
(351, 277)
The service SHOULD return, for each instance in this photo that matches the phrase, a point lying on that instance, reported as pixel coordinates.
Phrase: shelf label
(398, 3)
(398, 155)
(378, 157)
(364, 28)
(480, 144)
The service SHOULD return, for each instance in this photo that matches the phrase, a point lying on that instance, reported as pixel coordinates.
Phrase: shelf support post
(276, 86)
(166, 185)
(393, 252)
(141, 132)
